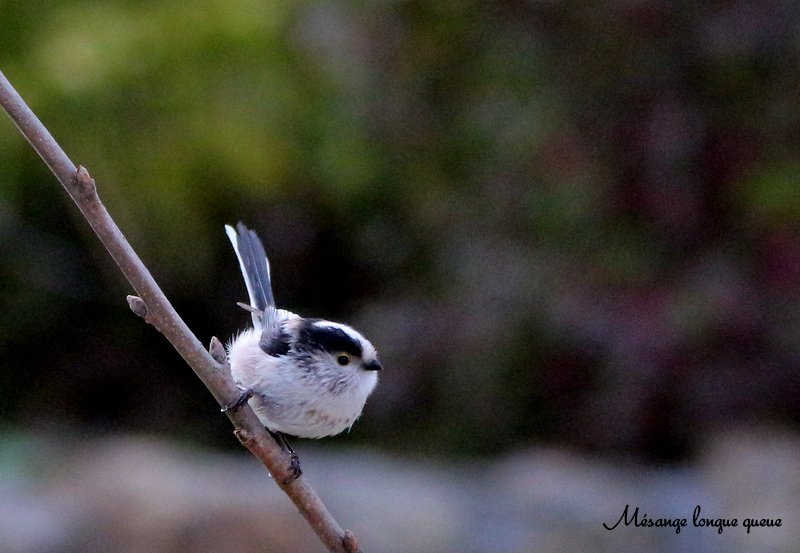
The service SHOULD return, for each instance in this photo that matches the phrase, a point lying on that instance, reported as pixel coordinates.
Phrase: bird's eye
(343, 360)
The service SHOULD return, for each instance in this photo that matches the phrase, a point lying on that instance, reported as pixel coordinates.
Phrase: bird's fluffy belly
(302, 420)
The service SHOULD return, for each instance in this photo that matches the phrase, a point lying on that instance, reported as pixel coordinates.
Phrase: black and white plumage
(305, 377)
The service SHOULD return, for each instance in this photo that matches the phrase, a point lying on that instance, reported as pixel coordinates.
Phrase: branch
(152, 305)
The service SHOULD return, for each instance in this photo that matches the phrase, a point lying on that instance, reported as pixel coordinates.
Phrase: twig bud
(217, 350)
(138, 306)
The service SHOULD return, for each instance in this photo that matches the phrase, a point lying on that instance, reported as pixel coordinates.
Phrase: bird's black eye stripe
(328, 338)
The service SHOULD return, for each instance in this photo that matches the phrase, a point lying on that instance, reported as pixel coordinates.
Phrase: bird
(303, 377)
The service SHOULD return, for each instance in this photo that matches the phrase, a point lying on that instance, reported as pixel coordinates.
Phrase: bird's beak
(374, 365)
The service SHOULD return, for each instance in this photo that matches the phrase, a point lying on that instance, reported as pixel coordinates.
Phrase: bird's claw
(240, 401)
(294, 468)
(294, 461)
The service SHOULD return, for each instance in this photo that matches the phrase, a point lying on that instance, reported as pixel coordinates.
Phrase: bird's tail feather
(255, 270)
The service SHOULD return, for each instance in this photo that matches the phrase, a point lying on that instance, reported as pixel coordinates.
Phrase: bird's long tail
(255, 270)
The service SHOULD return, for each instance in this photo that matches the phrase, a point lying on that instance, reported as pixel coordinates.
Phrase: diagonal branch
(152, 305)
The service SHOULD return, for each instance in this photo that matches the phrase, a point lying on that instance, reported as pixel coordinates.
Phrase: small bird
(303, 377)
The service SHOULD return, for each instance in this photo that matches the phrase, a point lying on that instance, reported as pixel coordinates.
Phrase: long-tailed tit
(304, 377)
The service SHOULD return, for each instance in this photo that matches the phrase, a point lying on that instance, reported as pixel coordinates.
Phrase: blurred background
(570, 228)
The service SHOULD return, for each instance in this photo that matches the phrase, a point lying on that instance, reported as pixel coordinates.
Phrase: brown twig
(152, 305)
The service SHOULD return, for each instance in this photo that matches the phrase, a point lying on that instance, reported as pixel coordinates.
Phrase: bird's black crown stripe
(328, 338)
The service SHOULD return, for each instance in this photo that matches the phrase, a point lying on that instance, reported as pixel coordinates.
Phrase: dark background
(561, 223)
